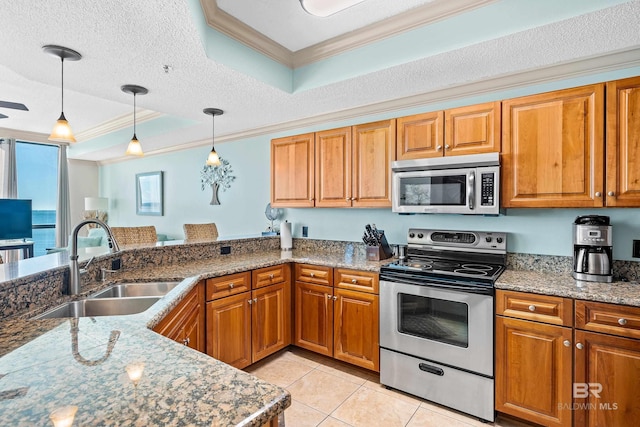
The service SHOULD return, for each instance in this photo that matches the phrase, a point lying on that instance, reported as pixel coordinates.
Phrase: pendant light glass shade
(134, 148)
(213, 159)
(61, 130)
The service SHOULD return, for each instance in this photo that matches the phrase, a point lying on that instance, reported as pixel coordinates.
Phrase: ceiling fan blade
(2, 116)
(13, 105)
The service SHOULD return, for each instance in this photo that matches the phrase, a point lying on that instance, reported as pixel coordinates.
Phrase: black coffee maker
(592, 249)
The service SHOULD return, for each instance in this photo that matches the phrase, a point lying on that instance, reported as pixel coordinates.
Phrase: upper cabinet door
(473, 129)
(292, 171)
(333, 168)
(623, 143)
(553, 149)
(420, 136)
(373, 151)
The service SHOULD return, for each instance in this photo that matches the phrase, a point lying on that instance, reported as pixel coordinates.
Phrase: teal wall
(537, 231)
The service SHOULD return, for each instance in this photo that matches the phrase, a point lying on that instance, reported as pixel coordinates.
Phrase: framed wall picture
(149, 194)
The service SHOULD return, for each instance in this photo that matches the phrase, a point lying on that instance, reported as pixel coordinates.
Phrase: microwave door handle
(471, 184)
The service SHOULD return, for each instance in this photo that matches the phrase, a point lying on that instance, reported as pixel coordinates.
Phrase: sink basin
(125, 290)
(100, 307)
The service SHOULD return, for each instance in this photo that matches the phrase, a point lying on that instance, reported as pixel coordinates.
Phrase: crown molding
(429, 13)
(568, 70)
(116, 124)
(229, 25)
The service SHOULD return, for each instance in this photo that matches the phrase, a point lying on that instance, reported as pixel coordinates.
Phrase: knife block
(379, 253)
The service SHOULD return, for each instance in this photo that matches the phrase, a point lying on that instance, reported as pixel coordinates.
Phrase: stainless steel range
(437, 318)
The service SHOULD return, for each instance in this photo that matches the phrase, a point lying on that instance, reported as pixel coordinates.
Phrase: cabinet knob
(532, 307)
(439, 148)
(271, 276)
(447, 146)
(335, 297)
(312, 274)
(231, 285)
(622, 321)
(250, 302)
(354, 281)
(255, 300)
(186, 341)
(567, 343)
(328, 296)
(311, 200)
(611, 194)
(598, 194)
(579, 346)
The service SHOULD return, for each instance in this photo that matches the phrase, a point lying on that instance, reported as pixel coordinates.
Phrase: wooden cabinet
(338, 318)
(553, 149)
(607, 359)
(292, 171)
(623, 143)
(185, 323)
(346, 167)
(471, 129)
(244, 325)
(534, 359)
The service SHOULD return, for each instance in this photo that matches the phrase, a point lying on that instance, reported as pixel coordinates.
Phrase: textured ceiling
(125, 42)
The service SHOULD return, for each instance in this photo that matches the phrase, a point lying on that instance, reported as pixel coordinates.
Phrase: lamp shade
(62, 131)
(96, 203)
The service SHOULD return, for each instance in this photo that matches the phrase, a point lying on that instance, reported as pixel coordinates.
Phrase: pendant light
(134, 148)
(61, 130)
(213, 159)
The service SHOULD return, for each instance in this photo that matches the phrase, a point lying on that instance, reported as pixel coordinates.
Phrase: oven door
(447, 326)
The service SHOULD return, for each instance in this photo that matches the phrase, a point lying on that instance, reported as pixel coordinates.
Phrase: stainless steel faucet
(75, 274)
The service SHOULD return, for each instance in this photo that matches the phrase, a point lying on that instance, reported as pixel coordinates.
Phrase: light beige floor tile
(375, 385)
(302, 358)
(322, 391)
(349, 373)
(332, 422)
(300, 415)
(366, 408)
(426, 418)
(281, 371)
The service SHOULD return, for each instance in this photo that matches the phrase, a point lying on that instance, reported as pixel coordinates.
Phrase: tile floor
(329, 393)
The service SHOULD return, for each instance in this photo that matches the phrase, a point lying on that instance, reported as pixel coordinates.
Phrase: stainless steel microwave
(467, 184)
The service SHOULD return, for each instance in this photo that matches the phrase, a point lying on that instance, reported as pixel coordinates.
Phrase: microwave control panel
(488, 185)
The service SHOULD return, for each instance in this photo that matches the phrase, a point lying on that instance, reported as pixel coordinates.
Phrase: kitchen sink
(100, 307)
(125, 290)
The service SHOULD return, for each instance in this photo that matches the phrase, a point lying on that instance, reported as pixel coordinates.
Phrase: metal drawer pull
(231, 285)
(622, 321)
(186, 341)
(567, 343)
(312, 274)
(431, 369)
(532, 308)
(354, 281)
(579, 346)
(271, 276)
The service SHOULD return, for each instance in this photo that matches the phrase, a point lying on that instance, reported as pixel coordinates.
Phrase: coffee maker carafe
(592, 249)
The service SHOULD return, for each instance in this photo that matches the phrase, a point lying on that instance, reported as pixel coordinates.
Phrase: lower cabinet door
(314, 317)
(193, 329)
(271, 320)
(355, 331)
(607, 376)
(533, 371)
(229, 329)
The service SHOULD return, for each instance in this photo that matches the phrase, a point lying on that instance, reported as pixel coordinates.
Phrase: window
(37, 168)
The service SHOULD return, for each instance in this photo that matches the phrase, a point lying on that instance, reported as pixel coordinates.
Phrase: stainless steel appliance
(592, 249)
(455, 184)
(437, 318)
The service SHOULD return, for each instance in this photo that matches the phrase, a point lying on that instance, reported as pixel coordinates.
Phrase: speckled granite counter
(47, 364)
(562, 284)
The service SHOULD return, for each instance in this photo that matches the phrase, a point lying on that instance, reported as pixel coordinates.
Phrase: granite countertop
(563, 285)
(48, 364)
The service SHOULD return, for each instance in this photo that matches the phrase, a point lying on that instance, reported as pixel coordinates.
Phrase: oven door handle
(431, 369)
(469, 289)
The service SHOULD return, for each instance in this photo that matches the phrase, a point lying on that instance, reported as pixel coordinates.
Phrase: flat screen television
(15, 219)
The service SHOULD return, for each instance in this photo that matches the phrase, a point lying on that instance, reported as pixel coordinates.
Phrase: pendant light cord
(62, 83)
(213, 132)
(134, 114)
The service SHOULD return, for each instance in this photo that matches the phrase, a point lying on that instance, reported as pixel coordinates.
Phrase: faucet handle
(86, 266)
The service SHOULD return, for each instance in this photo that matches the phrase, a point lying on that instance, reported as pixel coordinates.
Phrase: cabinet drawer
(231, 284)
(364, 281)
(317, 274)
(540, 308)
(270, 275)
(608, 318)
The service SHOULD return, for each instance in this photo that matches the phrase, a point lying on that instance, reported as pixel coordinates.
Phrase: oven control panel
(480, 240)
